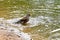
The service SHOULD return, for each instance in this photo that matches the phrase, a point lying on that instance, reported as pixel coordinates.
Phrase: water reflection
(45, 15)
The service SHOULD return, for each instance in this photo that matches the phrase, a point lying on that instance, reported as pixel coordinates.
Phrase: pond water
(44, 23)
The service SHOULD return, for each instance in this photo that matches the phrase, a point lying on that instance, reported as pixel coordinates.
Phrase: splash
(32, 22)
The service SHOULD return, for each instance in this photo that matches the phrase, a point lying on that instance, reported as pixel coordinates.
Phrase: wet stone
(5, 35)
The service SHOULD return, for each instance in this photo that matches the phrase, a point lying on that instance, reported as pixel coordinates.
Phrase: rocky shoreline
(12, 34)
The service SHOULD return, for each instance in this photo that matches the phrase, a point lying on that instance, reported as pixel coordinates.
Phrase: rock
(10, 33)
(5, 35)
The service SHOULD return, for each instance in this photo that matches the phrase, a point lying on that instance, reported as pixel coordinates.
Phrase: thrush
(24, 20)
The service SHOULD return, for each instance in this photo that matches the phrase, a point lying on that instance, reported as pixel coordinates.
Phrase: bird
(24, 20)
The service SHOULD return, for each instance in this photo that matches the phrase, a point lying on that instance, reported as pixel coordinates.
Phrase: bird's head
(28, 15)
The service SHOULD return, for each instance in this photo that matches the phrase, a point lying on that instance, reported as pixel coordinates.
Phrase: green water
(49, 9)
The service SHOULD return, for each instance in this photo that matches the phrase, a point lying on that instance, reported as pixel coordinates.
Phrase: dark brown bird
(24, 20)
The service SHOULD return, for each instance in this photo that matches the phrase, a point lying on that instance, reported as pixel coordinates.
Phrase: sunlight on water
(44, 23)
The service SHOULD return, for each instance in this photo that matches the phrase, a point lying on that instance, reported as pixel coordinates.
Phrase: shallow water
(44, 22)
